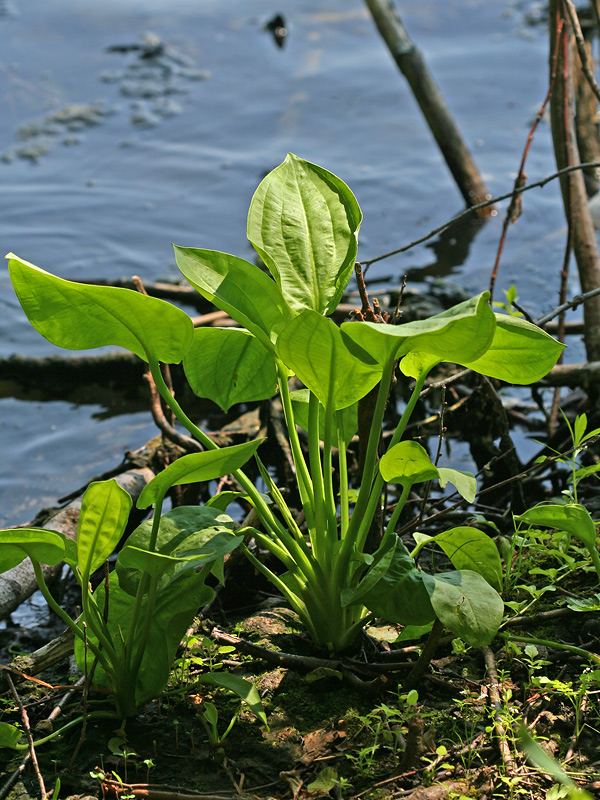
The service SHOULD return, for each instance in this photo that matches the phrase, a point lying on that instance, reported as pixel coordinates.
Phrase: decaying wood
(573, 375)
(19, 583)
(432, 104)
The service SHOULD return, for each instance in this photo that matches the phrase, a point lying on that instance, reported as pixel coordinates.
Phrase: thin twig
(366, 263)
(27, 727)
(515, 206)
(494, 690)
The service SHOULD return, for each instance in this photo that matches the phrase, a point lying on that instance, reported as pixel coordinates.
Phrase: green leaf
(458, 335)
(400, 595)
(466, 604)
(519, 353)
(174, 610)
(325, 781)
(350, 597)
(541, 759)
(239, 288)
(347, 417)
(229, 366)
(245, 690)
(312, 346)
(9, 736)
(470, 548)
(303, 222)
(78, 316)
(148, 561)
(41, 545)
(465, 482)
(570, 517)
(411, 633)
(407, 463)
(197, 467)
(197, 533)
(104, 513)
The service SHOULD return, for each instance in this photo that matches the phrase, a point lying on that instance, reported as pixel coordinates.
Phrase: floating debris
(278, 28)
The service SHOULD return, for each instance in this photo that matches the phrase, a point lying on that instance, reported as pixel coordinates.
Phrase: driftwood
(432, 104)
(19, 583)
(573, 375)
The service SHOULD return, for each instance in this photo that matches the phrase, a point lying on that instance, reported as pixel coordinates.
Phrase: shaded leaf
(42, 545)
(347, 417)
(229, 366)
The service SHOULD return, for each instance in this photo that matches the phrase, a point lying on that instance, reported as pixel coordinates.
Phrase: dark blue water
(153, 158)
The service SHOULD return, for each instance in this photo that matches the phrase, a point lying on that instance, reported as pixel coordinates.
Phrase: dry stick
(514, 209)
(430, 100)
(427, 654)
(493, 686)
(581, 48)
(25, 718)
(585, 246)
(366, 263)
(8, 784)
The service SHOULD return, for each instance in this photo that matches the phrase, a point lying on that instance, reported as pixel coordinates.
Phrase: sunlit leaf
(407, 463)
(104, 513)
(519, 353)
(458, 335)
(42, 545)
(79, 316)
(303, 222)
(239, 288)
(245, 690)
(198, 467)
(312, 347)
(570, 517)
(470, 548)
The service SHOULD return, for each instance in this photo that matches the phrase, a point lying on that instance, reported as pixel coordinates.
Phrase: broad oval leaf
(570, 517)
(407, 463)
(303, 221)
(197, 467)
(312, 347)
(459, 335)
(519, 353)
(40, 544)
(466, 604)
(104, 513)
(79, 316)
(229, 366)
(400, 595)
(46, 547)
(239, 288)
(470, 548)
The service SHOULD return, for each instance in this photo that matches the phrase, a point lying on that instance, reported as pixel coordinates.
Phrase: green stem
(142, 588)
(391, 526)
(330, 509)
(316, 469)
(305, 485)
(262, 509)
(370, 466)
(343, 470)
(555, 645)
(141, 643)
(104, 658)
(67, 726)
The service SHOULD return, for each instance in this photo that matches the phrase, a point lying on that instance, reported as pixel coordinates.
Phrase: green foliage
(303, 222)
(132, 624)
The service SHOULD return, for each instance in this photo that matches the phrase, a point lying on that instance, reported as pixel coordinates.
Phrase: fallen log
(575, 376)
